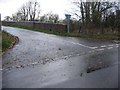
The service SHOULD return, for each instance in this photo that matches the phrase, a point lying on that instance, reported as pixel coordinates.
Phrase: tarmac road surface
(42, 60)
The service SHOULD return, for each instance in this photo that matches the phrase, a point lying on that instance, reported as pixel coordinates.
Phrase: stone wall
(37, 25)
(63, 28)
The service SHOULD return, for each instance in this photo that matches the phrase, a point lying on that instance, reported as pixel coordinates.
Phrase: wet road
(45, 60)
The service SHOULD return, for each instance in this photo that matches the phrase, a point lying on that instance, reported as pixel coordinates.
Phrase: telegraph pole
(0, 22)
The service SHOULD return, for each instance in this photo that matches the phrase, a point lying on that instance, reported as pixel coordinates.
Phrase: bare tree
(79, 11)
(33, 8)
(43, 18)
(53, 17)
(7, 18)
(28, 11)
(92, 12)
(17, 16)
(24, 12)
(50, 17)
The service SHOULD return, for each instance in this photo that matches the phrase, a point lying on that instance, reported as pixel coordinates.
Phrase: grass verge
(72, 34)
(7, 40)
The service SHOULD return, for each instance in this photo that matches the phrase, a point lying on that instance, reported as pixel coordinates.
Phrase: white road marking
(95, 47)
(103, 46)
(34, 63)
(1, 69)
(116, 41)
(117, 44)
(109, 47)
(83, 45)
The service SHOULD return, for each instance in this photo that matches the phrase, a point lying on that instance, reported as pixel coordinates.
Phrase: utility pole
(0, 22)
(68, 16)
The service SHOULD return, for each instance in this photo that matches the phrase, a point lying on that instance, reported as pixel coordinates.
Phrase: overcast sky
(9, 7)
(61, 7)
